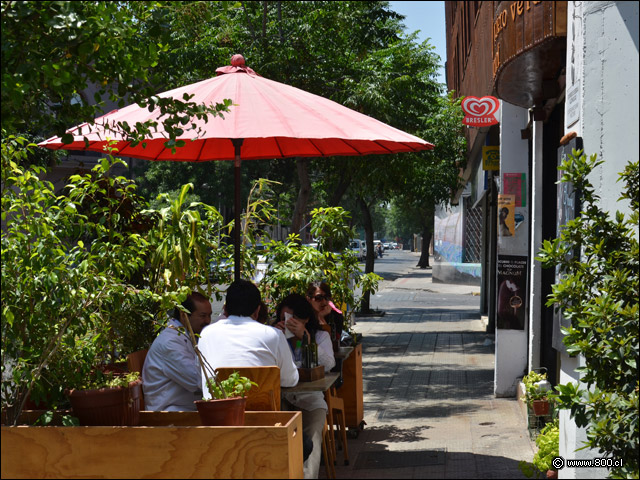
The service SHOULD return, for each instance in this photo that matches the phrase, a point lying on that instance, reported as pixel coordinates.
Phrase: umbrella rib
(282, 155)
(199, 156)
(322, 154)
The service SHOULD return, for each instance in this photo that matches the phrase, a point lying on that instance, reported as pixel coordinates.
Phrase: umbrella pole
(237, 143)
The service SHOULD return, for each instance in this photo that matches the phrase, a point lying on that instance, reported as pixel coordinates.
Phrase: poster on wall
(512, 292)
(506, 215)
(515, 184)
(490, 158)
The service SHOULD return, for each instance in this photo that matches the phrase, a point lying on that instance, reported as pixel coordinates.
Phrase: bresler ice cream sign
(480, 112)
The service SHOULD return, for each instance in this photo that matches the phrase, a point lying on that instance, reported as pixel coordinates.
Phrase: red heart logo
(480, 107)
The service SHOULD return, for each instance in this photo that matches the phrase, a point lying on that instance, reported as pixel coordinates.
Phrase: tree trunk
(297, 222)
(368, 235)
(427, 231)
(264, 22)
(340, 190)
(280, 23)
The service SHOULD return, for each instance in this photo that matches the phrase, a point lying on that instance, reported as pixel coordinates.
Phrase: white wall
(602, 60)
(511, 345)
(535, 269)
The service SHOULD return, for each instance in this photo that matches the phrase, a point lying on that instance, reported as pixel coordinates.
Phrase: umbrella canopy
(267, 120)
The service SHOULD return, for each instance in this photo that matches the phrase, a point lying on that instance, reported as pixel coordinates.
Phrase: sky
(428, 17)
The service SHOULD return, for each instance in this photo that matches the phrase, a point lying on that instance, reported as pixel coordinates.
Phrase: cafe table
(320, 385)
(343, 352)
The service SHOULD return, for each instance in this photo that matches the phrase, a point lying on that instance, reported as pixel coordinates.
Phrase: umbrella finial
(237, 60)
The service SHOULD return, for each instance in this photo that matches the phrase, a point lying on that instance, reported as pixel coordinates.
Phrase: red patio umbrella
(268, 119)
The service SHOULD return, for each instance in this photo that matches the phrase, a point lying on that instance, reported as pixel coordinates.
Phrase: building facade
(566, 75)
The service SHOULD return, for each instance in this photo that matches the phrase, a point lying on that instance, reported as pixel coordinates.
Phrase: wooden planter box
(165, 445)
(351, 389)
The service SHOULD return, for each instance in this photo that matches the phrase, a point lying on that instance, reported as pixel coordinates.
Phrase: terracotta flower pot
(540, 407)
(227, 412)
(107, 406)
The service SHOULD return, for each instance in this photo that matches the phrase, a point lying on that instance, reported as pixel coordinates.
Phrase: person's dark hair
(189, 304)
(311, 289)
(243, 297)
(301, 309)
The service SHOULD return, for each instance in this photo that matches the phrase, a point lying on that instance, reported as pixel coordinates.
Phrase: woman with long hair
(329, 316)
(296, 317)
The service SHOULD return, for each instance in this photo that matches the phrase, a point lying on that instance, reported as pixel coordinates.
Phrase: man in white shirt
(241, 341)
(171, 378)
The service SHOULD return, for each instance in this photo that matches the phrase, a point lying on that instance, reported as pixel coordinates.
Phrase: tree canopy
(63, 63)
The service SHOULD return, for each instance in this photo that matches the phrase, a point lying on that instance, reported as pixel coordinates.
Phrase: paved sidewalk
(428, 389)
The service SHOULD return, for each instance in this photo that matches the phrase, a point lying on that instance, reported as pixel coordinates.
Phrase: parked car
(386, 245)
(359, 248)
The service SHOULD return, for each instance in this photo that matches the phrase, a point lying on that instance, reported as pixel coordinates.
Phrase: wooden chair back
(264, 397)
(135, 362)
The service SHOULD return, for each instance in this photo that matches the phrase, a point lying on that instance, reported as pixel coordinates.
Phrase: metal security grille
(472, 233)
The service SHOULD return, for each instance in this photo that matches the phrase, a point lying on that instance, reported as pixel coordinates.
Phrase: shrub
(598, 293)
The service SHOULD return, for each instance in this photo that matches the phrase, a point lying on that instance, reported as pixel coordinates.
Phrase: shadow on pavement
(372, 458)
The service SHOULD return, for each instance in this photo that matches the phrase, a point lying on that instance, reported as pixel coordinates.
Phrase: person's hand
(279, 325)
(296, 327)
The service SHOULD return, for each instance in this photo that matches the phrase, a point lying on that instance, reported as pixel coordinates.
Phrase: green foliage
(534, 387)
(598, 294)
(548, 443)
(233, 386)
(110, 380)
(49, 417)
(87, 274)
(52, 51)
(292, 267)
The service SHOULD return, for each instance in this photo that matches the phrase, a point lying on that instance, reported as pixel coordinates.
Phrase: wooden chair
(338, 418)
(327, 452)
(266, 396)
(135, 362)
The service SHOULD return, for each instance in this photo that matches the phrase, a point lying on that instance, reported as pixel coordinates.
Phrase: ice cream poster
(512, 292)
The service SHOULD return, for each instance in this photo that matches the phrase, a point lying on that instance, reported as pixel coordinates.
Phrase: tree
(315, 46)
(431, 182)
(53, 51)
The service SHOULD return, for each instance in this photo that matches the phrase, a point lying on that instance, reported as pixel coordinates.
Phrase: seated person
(171, 377)
(329, 317)
(311, 404)
(241, 341)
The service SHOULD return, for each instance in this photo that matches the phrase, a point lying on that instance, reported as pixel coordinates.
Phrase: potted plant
(537, 392)
(227, 403)
(110, 398)
(122, 266)
(548, 448)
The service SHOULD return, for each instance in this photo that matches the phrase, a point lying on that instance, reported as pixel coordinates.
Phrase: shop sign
(480, 112)
(490, 158)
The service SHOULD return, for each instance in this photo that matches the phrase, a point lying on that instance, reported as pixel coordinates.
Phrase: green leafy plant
(52, 417)
(534, 385)
(111, 380)
(292, 267)
(232, 387)
(598, 293)
(548, 443)
(87, 274)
